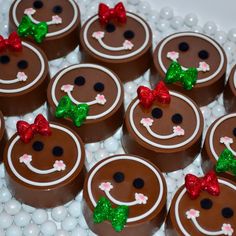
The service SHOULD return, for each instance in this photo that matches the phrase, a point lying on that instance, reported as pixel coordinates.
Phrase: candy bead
(39, 216)
(48, 228)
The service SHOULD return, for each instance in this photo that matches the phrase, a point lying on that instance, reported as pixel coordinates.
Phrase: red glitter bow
(208, 183)
(13, 42)
(147, 96)
(27, 131)
(106, 14)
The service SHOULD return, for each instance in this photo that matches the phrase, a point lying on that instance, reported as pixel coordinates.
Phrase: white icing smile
(57, 166)
(147, 123)
(99, 99)
(226, 229)
(99, 35)
(20, 77)
(139, 197)
(227, 141)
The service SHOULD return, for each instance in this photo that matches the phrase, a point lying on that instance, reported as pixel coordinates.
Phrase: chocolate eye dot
(138, 183)
(157, 113)
(227, 212)
(128, 34)
(57, 9)
(110, 28)
(38, 4)
(177, 118)
(183, 47)
(203, 54)
(119, 177)
(98, 87)
(4, 59)
(206, 203)
(38, 146)
(57, 151)
(234, 132)
(80, 80)
(22, 64)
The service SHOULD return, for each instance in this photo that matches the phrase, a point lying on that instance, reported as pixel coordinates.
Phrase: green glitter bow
(37, 31)
(77, 113)
(226, 162)
(175, 73)
(104, 211)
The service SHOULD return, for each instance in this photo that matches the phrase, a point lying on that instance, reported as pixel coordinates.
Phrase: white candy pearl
(166, 13)
(171, 184)
(153, 16)
(31, 230)
(11, 122)
(220, 37)
(59, 213)
(75, 209)
(218, 111)
(1, 207)
(134, 2)
(130, 87)
(69, 223)
(206, 112)
(89, 156)
(197, 29)
(111, 144)
(29, 118)
(210, 28)
(78, 231)
(12, 207)
(13, 230)
(92, 147)
(101, 154)
(22, 218)
(5, 195)
(191, 20)
(28, 208)
(48, 228)
(56, 62)
(176, 174)
(232, 35)
(177, 22)
(229, 47)
(82, 222)
(5, 220)
(118, 134)
(163, 25)
(62, 232)
(144, 7)
(39, 216)
(2, 171)
(72, 58)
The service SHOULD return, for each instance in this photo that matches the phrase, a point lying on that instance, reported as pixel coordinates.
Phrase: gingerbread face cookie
(46, 164)
(191, 63)
(99, 89)
(142, 192)
(59, 21)
(117, 43)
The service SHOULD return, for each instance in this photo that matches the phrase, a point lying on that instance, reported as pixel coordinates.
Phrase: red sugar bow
(147, 96)
(27, 131)
(106, 14)
(195, 185)
(13, 42)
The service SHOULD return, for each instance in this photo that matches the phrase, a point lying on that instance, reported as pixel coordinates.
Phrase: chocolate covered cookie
(124, 195)
(3, 136)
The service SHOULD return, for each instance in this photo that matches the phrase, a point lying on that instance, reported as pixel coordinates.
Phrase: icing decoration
(226, 229)
(227, 141)
(208, 183)
(13, 42)
(226, 162)
(104, 211)
(57, 166)
(27, 131)
(99, 35)
(106, 14)
(68, 88)
(147, 96)
(20, 77)
(139, 197)
(37, 31)
(77, 113)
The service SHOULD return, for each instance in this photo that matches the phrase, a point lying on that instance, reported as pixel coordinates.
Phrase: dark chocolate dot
(22, 64)
(98, 87)
(227, 212)
(38, 4)
(138, 183)
(38, 146)
(128, 34)
(110, 28)
(203, 54)
(80, 80)
(57, 9)
(157, 113)
(183, 47)
(119, 177)
(206, 203)
(4, 59)
(57, 151)
(177, 118)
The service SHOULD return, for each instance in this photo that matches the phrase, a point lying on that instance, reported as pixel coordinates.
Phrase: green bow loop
(175, 73)
(77, 113)
(226, 162)
(28, 28)
(117, 216)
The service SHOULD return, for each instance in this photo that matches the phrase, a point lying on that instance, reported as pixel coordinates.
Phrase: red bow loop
(27, 131)
(194, 185)
(13, 42)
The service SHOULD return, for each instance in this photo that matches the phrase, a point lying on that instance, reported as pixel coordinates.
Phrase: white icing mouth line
(99, 35)
(20, 77)
(57, 166)
(99, 99)
(55, 19)
(226, 229)
(147, 123)
(227, 141)
(139, 197)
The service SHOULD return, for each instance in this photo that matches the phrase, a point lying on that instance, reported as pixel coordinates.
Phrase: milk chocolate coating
(52, 189)
(3, 136)
(58, 45)
(128, 68)
(223, 126)
(229, 95)
(100, 126)
(28, 99)
(124, 191)
(209, 219)
(202, 93)
(165, 157)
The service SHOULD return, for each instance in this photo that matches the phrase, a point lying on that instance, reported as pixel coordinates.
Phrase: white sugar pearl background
(20, 219)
